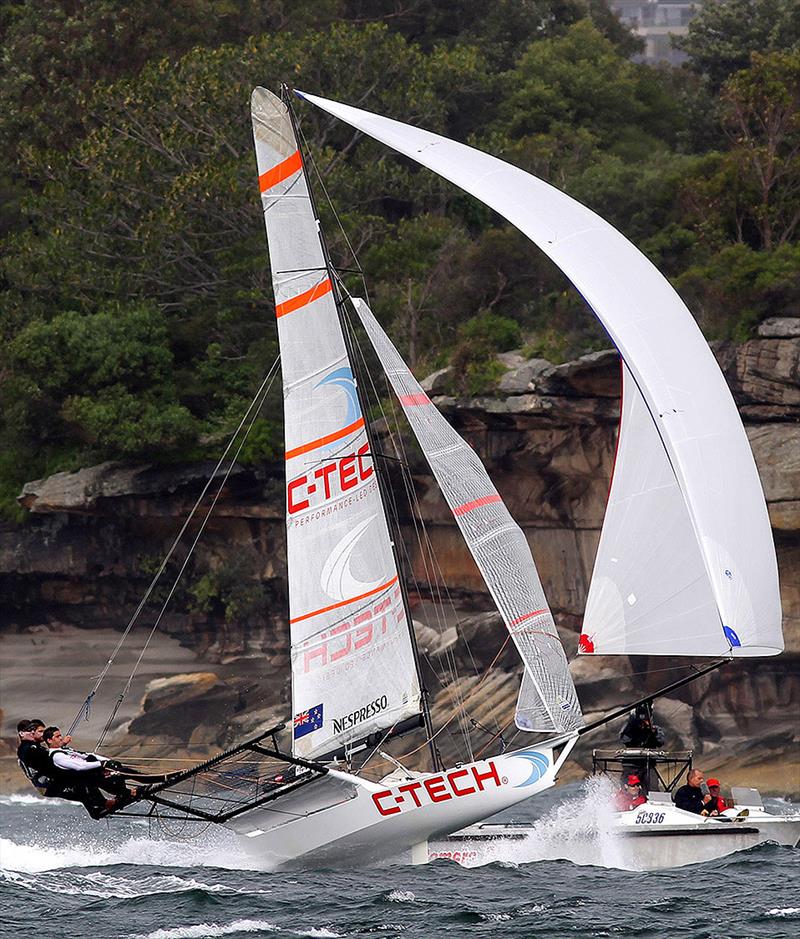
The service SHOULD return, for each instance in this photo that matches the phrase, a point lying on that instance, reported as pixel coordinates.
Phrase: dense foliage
(136, 306)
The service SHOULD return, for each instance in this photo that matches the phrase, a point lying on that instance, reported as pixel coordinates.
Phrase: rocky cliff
(547, 434)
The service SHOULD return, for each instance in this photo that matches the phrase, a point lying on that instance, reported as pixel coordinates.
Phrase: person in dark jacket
(640, 732)
(690, 797)
(32, 755)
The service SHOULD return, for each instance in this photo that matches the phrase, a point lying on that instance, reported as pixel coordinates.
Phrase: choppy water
(63, 875)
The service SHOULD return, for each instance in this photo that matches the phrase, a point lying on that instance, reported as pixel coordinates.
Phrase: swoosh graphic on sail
(337, 580)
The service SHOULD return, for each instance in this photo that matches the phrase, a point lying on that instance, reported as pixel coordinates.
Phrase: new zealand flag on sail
(307, 721)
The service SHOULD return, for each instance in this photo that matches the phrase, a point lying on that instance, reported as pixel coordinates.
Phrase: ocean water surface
(63, 875)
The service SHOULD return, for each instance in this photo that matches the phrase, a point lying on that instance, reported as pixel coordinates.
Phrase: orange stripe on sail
(521, 619)
(469, 506)
(335, 606)
(328, 438)
(303, 299)
(414, 399)
(282, 171)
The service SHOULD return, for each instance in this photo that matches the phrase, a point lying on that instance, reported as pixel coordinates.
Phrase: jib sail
(547, 699)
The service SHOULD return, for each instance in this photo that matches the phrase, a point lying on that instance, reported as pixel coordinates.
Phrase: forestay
(547, 699)
(693, 414)
(353, 669)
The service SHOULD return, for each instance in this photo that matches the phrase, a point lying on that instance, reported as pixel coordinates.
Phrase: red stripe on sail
(469, 506)
(283, 170)
(328, 438)
(411, 400)
(303, 299)
(335, 606)
(521, 619)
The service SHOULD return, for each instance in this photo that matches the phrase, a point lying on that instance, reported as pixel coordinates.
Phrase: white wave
(23, 798)
(106, 886)
(321, 932)
(401, 896)
(579, 829)
(209, 930)
(219, 848)
(783, 911)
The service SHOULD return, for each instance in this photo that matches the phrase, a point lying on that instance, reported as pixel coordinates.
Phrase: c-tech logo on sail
(339, 474)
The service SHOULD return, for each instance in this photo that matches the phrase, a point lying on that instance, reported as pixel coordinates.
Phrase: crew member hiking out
(80, 777)
(32, 755)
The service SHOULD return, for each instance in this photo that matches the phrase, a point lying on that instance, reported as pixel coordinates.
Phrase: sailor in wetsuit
(640, 733)
(690, 797)
(32, 756)
(79, 777)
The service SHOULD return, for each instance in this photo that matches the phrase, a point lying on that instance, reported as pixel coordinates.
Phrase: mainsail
(353, 667)
(547, 699)
(694, 418)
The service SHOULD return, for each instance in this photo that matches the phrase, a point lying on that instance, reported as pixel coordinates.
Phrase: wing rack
(248, 775)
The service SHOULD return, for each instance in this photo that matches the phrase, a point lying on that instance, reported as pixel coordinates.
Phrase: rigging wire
(253, 409)
(426, 552)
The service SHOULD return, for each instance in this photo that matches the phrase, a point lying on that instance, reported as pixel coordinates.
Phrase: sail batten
(495, 541)
(698, 426)
(353, 667)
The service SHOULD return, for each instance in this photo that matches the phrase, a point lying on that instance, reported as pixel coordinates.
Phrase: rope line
(256, 404)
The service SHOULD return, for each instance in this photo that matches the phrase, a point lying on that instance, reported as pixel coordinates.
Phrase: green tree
(724, 33)
(579, 83)
(104, 379)
(761, 112)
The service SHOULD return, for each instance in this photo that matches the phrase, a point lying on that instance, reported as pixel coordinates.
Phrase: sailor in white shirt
(79, 777)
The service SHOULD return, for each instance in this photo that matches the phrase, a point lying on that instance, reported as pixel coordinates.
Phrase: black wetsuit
(83, 786)
(35, 763)
(641, 734)
(690, 799)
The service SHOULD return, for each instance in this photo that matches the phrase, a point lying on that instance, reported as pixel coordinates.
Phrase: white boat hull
(343, 819)
(654, 836)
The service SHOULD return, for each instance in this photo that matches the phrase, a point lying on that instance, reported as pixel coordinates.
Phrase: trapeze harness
(38, 778)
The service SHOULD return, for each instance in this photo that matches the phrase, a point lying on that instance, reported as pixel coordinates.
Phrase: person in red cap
(629, 795)
(717, 805)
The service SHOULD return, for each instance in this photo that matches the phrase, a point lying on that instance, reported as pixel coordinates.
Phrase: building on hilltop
(656, 22)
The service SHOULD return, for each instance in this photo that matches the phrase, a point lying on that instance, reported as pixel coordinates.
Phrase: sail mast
(286, 96)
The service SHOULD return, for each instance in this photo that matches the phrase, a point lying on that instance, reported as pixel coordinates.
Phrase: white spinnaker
(690, 404)
(495, 541)
(353, 669)
(632, 607)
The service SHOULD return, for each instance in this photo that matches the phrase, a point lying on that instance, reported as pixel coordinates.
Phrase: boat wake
(217, 848)
(579, 830)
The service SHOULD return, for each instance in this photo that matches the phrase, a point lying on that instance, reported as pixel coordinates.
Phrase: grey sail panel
(547, 699)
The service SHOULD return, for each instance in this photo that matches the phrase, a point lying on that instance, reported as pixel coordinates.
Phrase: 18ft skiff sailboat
(706, 585)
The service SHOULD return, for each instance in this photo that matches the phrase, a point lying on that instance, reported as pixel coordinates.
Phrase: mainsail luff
(345, 604)
(548, 701)
(694, 414)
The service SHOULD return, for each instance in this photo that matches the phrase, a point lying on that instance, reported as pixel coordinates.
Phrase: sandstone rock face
(547, 436)
(780, 327)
